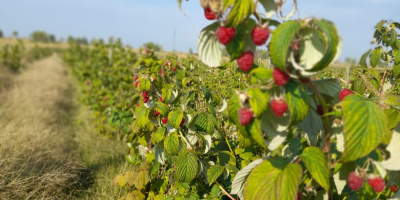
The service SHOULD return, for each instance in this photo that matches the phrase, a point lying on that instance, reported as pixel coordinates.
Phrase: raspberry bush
(226, 128)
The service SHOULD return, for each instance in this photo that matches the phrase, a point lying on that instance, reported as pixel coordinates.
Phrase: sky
(139, 21)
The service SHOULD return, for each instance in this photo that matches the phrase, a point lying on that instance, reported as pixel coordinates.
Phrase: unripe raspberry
(279, 107)
(355, 181)
(280, 77)
(245, 61)
(209, 14)
(225, 35)
(245, 116)
(344, 93)
(136, 77)
(260, 35)
(377, 183)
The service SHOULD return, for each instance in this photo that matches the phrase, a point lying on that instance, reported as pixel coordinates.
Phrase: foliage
(42, 36)
(1, 33)
(11, 56)
(152, 46)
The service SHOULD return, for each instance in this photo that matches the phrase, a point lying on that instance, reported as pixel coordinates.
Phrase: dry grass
(29, 44)
(44, 153)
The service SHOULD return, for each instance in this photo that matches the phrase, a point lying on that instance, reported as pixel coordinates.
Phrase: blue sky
(140, 21)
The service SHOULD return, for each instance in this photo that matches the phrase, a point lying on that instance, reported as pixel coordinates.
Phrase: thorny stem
(224, 191)
(325, 120)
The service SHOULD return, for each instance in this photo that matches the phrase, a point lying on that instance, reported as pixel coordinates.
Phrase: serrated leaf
(396, 71)
(363, 60)
(393, 163)
(141, 179)
(242, 40)
(393, 37)
(393, 117)
(159, 135)
(159, 153)
(364, 127)
(144, 85)
(275, 127)
(316, 163)
(261, 73)
(281, 40)
(297, 100)
(186, 166)
(162, 108)
(330, 87)
(205, 122)
(206, 93)
(312, 123)
(375, 56)
(273, 179)
(166, 94)
(269, 6)
(241, 176)
(254, 130)
(171, 143)
(258, 101)
(312, 47)
(143, 118)
(240, 10)
(340, 178)
(135, 195)
(175, 118)
(208, 46)
(226, 157)
(214, 172)
(233, 107)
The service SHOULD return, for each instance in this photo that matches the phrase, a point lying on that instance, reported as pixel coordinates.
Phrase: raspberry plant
(218, 128)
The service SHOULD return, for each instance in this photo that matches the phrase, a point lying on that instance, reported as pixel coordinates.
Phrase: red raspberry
(144, 93)
(260, 35)
(245, 61)
(147, 51)
(173, 69)
(136, 77)
(320, 110)
(245, 116)
(160, 99)
(378, 184)
(280, 77)
(225, 35)
(145, 99)
(105, 99)
(393, 188)
(164, 120)
(157, 113)
(154, 79)
(279, 107)
(344, 93)
(137, 83)
(182, 122)
(166, 63)
(137, 105)
(209, 14)
(355, 182)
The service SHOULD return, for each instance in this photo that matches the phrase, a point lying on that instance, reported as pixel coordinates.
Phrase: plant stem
(325, 120)
(224, 191)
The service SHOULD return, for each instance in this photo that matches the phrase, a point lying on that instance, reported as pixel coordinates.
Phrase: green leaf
(240, 10)
(312, 47)
(208, 46)
(175, 118)
(375, 56)
(145, 85)
(226, 157)
(365, 124)
(297, 100)
(261, 73)
(166, 94)
(269, 6)
(333, 41)
(186, 166)
(393, 37)
(242, 40)
(141, 179)
(393, 163)
(281, 40)
(312, 123)
(316, 163)
(330, 87)
(396, 56)
(171, 143)
(396, 71)
(206, 93)
(233, 109)
(275, 127)
(379, 25)
(258, 101)
(159, 135)
(393, 117)
(162, 108)
(363, 60)
(254, 130)
(214, 172)
(273, 179)
(205, 122)
(159, 153)
(143, 118)
(241, 177)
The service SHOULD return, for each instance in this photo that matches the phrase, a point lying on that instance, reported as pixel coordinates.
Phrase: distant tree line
(1, 33)
(41, 36)
(79, 40)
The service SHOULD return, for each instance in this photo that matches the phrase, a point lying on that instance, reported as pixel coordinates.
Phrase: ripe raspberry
(245, 61)
(144, 93)
(378, 184)
(355, 182)
(157, 113)
(105, 99)
(136, 77)
(137, 105)
(145, 99)
(225, 35)
(245, 116)
(137, 83)
(166, 63)
(393, 188)
(344, 93)
(147, 51)
(182, 122)
(164, 120)
(280, 77)
(260, 35)
(173, 69)
(154, 79)
(160, 99)
(209, 14)
(279, 107)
